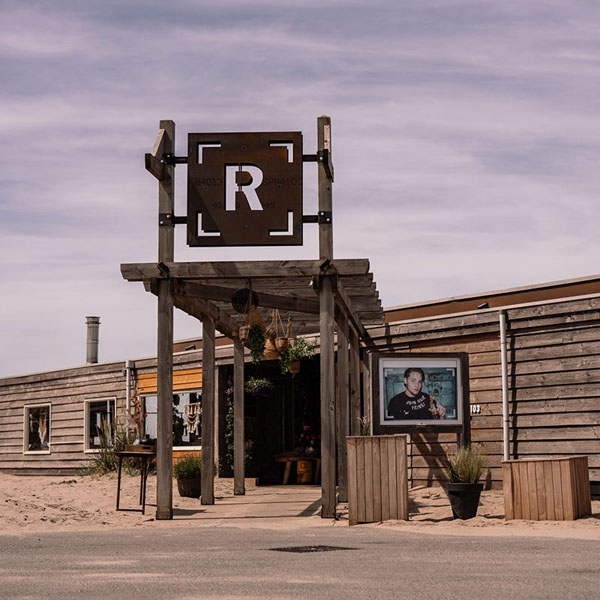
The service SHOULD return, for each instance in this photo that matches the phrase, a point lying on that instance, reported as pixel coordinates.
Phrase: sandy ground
(53, 503)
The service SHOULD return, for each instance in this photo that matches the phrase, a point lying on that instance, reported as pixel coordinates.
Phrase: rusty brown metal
(245, 189)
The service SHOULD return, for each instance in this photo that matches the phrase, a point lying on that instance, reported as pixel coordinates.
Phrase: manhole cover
(303, 549)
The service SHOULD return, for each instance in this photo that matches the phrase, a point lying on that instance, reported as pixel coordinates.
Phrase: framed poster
(420, 391)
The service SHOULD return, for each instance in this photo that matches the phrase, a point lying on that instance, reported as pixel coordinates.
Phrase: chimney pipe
(93, 326)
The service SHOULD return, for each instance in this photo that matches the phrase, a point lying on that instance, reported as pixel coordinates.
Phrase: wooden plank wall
(554, 382)
(66, 391)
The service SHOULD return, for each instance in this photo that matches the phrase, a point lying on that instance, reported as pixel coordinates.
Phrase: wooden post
(326, 322)
(208, 410)
(367, 388)
(354, 383)
(238, 418)
(166, 249)
(342, 408)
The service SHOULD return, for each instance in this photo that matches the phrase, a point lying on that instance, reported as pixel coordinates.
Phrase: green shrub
(106, 460)
(189, 467)
(465, 466)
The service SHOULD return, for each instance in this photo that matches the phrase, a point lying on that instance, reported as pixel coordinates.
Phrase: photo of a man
(413, 403)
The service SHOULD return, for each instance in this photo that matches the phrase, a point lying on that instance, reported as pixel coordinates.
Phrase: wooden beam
(153, 159)
(199, 308)
(342, 409)
(242, 269)
(326, 324)
(208, 410)
(164, 417)
(238, 419)
(354, 383)
(346, 305)
(266, 300)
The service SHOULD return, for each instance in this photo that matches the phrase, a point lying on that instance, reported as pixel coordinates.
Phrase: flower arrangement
(308, 441)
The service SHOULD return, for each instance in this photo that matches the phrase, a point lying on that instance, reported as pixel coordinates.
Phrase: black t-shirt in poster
(403, 406)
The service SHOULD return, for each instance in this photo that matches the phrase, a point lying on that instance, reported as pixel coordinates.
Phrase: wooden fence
(553, 489)
(377, 478)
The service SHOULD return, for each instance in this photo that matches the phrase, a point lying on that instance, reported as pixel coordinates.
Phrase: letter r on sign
(244, 185)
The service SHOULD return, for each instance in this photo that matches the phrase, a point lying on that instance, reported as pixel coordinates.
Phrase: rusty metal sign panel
(245, 189)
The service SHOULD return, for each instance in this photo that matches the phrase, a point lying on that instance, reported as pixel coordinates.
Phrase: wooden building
(553, 369)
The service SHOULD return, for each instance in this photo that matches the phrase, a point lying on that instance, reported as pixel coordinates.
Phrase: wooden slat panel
(549, 490)
(402, 477)
(360, 461)
(392, 475)
(377, 501)
(368, 447)
(385, 480)
(351, 445)
(186, 379)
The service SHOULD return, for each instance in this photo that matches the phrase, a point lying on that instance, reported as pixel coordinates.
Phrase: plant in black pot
(188, 473)
(464, 470)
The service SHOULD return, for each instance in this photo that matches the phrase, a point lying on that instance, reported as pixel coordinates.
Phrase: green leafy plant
(189, 467)
(257, 384)
(256, 342)
(465, 466)
(106, 459)
(301, 349)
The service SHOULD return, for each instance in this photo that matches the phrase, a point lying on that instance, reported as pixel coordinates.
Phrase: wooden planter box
(377, 478)
(547, 489)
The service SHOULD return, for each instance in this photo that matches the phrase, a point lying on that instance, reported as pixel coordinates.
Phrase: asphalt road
(241, 563)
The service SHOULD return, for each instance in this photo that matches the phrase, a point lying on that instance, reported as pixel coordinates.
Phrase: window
(37, 428)
(99, 422)
(187, 419)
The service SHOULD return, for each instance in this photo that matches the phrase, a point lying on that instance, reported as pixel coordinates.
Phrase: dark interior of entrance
(280, 420)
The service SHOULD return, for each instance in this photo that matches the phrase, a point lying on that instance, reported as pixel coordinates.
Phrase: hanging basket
(271, 352)
(282, 344)
(294, 367)
(244, 333)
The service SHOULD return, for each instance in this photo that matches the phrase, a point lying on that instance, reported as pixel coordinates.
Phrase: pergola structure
(322, 296)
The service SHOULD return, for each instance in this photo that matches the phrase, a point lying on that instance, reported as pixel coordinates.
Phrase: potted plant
(256, 342)
(256, 385)
(290, 359)
(464, 470)
(188, 472)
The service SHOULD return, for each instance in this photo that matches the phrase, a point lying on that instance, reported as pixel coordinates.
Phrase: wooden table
(288, 460)
(144, 460)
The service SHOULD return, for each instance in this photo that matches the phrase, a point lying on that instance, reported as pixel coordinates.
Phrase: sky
(465, 142)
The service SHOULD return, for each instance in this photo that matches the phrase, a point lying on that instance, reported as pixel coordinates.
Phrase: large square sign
(245, 189)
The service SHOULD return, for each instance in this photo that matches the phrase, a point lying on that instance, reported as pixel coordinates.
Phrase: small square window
(37, 428)
(99, 423)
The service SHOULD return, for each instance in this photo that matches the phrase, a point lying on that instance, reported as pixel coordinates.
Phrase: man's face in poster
(413, 383)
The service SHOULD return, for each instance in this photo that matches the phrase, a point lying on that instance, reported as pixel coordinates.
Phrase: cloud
(465, 139)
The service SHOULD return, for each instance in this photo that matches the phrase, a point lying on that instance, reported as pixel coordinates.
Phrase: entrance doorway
(281, 418)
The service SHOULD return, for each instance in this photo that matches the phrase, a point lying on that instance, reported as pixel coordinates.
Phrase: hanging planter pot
(294, 367)
(282, 344)
(271, 352)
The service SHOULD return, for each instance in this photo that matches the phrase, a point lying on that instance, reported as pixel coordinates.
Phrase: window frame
(26, 409)
(155, 395)
(86, 421)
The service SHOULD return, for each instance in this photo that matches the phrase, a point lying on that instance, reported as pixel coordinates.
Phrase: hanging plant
(255, 385)
(301, 349)
(256, 342)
